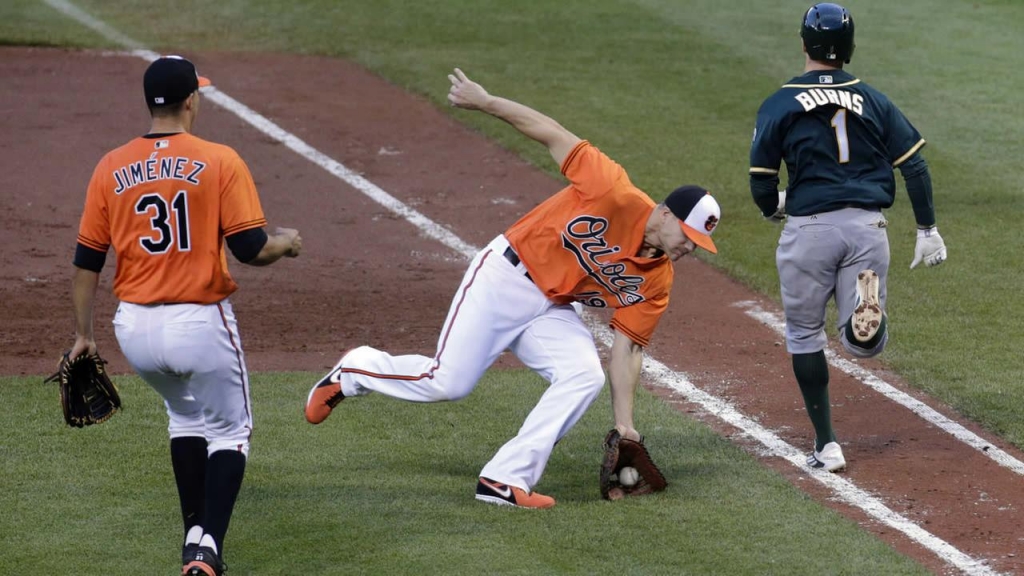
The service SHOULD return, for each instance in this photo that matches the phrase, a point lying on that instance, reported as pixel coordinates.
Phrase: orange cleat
(492, 492)
(325, 395)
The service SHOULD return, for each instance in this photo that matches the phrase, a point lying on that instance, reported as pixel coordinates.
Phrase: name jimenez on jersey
(152, 169)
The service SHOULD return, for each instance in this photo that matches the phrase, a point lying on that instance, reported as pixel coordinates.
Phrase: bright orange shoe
(488, 490)
(325, 395)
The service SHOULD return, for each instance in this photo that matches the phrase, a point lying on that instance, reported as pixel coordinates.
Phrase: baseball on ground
(628, 476)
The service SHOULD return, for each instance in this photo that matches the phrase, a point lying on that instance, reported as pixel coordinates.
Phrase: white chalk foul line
(662, 375)
(424, 224)
(778, 325)
(844, 489)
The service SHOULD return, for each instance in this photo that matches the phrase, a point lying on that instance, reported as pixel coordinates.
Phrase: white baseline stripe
(424, 224)
(778, 325)
(664, 376)
(843, 488)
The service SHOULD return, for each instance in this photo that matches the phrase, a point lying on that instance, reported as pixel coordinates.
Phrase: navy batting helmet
(828, 33)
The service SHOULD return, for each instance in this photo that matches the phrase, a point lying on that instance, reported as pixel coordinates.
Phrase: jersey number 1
(156, 206)
(839, 125)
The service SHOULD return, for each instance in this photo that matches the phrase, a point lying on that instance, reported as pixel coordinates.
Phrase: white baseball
(628, 476)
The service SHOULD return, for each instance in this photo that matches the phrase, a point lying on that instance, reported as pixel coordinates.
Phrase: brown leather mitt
(87, 396)
(619, 453)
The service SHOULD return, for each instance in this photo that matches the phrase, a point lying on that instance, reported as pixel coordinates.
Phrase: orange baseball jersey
(581, 245)
(165, 204)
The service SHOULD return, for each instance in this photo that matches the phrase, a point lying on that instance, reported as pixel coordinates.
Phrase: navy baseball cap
(171, 79)
(698, 214)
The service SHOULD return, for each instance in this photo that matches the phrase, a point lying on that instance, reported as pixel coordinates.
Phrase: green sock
(875, 340)
(811, 371)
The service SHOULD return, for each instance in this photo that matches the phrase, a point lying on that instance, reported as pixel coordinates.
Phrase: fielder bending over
(600, 241)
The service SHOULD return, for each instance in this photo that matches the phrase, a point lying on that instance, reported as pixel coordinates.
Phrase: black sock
(223, 481)
(188, 458)
(811, 371)
(870, 345)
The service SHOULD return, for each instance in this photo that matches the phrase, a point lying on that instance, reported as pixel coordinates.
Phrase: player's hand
(465, 93)
(930, 248)
(780, 212)
(83, 345)
(294, 241)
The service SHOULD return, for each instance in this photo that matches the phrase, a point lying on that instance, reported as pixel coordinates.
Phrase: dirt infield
(369, 277)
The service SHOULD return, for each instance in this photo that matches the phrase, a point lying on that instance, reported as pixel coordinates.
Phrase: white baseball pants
(496, 307)
(192, 356)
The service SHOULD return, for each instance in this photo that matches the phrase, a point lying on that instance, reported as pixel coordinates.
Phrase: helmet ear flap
(827, 32)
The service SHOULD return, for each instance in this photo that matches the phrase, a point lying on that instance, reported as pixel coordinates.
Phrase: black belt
(513, 259)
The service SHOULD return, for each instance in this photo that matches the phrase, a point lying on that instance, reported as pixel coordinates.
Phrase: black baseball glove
(620, 453)
(87, 395)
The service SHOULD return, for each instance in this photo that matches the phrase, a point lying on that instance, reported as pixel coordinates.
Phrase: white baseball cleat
(867, 317)
(830, 458)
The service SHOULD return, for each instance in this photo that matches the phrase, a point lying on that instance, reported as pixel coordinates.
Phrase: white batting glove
(780, 213)
(930, 248)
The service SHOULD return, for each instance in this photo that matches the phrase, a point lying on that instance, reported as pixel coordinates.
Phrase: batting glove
(930, 248)
(780, 213)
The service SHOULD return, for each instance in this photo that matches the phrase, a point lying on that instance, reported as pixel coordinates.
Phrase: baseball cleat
(204, 562)
(867, 317)
(325, 395)
(830, 458)
(186, 554)
(492, 492)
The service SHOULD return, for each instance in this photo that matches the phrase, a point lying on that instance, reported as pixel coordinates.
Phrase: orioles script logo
(584, 237)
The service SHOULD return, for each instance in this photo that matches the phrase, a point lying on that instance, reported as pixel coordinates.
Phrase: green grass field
(670, 90)
(385, 487)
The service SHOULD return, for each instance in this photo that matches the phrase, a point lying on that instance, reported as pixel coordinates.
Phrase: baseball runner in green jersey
(841, 140)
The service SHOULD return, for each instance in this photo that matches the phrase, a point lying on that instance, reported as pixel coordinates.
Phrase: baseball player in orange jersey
(166, 202)
(600, 242)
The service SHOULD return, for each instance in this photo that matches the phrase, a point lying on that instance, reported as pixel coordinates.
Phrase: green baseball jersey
(840, 139)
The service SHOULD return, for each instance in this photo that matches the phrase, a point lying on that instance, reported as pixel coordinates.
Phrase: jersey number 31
(163, 238)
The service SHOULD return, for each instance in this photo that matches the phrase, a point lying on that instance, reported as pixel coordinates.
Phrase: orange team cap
(171, 79)
(698, 214)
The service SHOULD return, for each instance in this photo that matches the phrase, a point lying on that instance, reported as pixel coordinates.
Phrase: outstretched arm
(469, 95)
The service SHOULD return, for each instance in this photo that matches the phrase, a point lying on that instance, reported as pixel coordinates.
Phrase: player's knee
(589, 379)
(594, 378)
(450, 390)
(232, 444)
(450, 395)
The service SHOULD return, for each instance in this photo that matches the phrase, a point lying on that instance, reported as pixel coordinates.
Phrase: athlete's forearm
(626, 358)
(533, 124)
(277, 246)
(83, 294)
(765, 190)
(919, 188)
